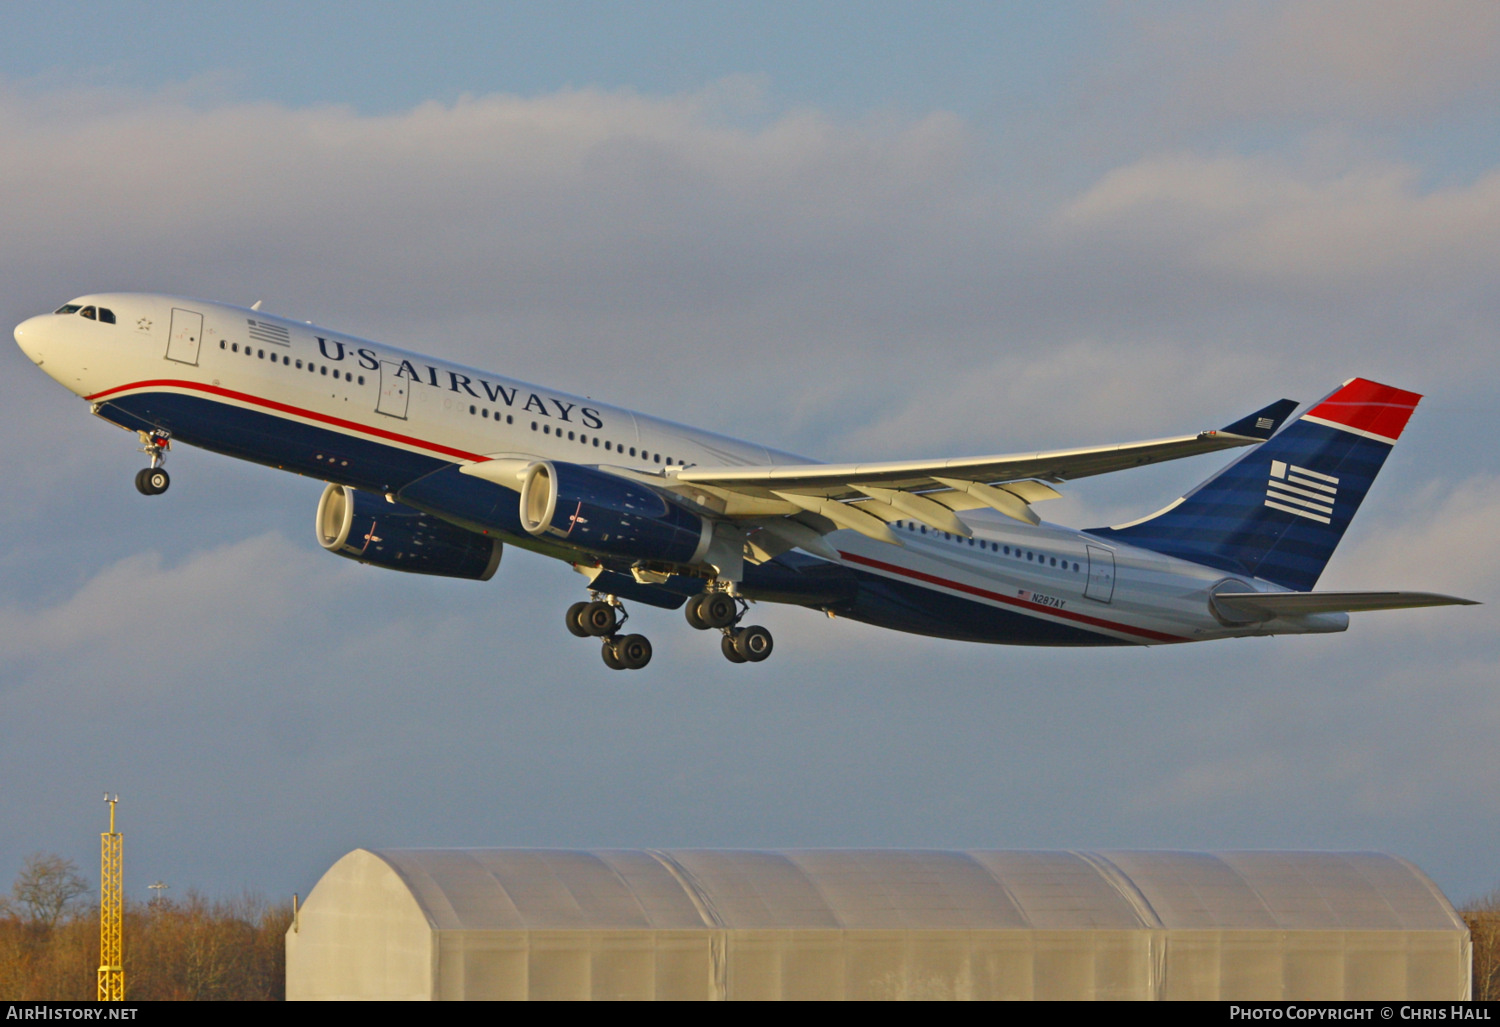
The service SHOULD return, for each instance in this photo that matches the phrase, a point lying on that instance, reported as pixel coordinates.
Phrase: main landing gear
(603, 618)
(153, 480)
(720, 610)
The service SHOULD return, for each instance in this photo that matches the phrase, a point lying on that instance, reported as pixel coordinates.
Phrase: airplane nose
(28, 336)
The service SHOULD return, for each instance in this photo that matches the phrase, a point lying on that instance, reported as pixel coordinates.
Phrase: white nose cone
(28, 336)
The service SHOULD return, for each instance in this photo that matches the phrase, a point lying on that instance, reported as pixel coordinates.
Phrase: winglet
(1264, 422)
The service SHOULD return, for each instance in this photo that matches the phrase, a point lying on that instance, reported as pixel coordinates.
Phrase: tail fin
(1278, 512)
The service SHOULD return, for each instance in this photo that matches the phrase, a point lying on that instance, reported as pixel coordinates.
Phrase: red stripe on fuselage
(1370, 407)
(287, 408)
(1082, 618)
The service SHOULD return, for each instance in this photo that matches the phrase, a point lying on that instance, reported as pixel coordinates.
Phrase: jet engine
(609, 514)
(360, 526)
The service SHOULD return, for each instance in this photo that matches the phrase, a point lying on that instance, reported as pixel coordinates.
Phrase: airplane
(433, 468)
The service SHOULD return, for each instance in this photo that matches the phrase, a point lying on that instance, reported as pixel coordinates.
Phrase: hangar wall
(867, 924)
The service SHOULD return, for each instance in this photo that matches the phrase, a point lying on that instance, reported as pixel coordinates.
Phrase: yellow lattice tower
(111, 911)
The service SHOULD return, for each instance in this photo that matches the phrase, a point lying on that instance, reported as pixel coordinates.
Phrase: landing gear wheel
(152, 481)
(634, 651)
(717, 610)
(574, 620)
(752, 643)
(611, 658)
(727, 647)
(694, 614)
(598, 618)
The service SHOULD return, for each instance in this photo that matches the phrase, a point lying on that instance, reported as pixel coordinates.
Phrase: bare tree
(1483, 918)
(47, 889)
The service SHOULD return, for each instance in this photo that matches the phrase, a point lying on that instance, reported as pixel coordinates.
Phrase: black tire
(726, 646)
(717, 610)
(694, 614)
(573, 618)
(634, 651)
(753, 643)
(141, 485)
(157, 480)
(598, 618)
(611, 658)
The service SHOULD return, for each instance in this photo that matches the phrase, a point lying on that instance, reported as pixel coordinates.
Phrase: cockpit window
(67, 308)
(106, 315)
(87, 312)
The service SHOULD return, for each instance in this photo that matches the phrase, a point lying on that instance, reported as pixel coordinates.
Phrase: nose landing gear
(602, 618)
(153, 480)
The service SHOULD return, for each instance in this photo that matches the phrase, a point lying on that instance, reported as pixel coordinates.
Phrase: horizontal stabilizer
(1297, 604)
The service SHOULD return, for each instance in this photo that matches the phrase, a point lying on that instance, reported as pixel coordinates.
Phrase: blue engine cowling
(367, 528)
(609, 514)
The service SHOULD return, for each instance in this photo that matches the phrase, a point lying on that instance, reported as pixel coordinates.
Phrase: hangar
(875, 924)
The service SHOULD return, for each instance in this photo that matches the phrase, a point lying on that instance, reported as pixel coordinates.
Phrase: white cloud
(145, 617)
(1439, 537)
(1377, 60)
(1256, 219)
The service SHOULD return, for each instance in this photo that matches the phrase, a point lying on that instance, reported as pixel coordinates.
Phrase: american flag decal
(1296, 490)
(264, 331)
(1263, 422)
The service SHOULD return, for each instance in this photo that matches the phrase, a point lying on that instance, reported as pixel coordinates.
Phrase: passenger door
(394, 391)
(1101, 583)
(185, 336)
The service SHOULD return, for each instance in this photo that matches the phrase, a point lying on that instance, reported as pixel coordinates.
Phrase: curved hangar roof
(1205, 907)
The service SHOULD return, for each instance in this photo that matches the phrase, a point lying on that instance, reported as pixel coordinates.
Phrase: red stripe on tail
(1369, 406)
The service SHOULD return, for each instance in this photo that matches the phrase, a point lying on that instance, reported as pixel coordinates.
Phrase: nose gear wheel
(153, 480)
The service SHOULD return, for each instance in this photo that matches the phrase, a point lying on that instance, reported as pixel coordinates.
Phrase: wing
(867, 497)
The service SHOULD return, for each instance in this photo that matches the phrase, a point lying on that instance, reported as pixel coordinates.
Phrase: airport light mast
(111, 910)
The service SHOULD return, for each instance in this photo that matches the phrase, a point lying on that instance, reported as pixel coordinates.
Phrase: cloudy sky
(864, 231)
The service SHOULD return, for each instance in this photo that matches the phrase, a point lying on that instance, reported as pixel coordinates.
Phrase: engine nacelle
(609, 514)
(367, 528)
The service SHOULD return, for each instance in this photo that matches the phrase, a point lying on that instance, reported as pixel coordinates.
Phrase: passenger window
(261, 353)
(1053, 561)
(632, 451)
(606, 444)
(106, 315)
(533, 426)
(509, 419)
(570, 436)
(361, 377)
(657, 458)
(596, 442)
(471, 409)
(485, 413)
(87, 312)
(325, 369)
(299, 365)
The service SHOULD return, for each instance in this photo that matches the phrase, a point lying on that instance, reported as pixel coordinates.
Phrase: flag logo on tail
(1296, 490)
